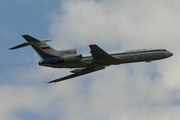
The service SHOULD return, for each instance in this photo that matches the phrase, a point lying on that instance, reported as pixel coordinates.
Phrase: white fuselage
(129, 56)
(98, 59)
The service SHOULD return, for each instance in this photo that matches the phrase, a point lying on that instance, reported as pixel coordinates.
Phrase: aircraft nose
(169, 54)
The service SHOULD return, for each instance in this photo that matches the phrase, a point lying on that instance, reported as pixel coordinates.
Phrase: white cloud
(135, 91)
(129, 25)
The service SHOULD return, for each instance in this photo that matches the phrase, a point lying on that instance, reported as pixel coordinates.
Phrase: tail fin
(41, 48)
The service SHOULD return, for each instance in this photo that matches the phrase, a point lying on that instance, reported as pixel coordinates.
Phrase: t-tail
(48, 54)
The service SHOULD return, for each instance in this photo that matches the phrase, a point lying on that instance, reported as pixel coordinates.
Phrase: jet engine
(71, 58)
(67, 52)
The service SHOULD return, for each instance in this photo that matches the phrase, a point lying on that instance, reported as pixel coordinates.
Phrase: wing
(78, 72)
(99, 54)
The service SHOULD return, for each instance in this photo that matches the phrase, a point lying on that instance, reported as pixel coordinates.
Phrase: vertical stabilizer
(42, 49)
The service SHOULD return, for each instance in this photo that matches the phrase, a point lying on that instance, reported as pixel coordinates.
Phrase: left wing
(100, 54)
(78, 72)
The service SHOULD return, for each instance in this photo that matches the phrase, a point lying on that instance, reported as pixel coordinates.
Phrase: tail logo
(45, 47)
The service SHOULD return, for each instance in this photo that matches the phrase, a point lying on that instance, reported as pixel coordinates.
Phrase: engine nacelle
(67, 52)
(49, 60)
(71, 58)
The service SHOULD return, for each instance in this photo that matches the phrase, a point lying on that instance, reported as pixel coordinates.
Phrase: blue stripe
(47, 58)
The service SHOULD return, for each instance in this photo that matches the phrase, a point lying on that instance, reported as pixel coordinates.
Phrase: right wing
(78, 72)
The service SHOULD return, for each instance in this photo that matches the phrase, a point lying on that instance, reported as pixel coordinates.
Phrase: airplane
(98, 59)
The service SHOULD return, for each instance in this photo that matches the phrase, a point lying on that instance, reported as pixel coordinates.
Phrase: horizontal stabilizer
(30, 40)
(19, 46)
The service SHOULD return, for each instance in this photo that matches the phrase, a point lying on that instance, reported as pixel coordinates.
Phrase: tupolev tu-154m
(98, 59)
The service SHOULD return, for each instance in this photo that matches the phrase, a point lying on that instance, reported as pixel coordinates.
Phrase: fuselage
(129, 56)
(98, 59)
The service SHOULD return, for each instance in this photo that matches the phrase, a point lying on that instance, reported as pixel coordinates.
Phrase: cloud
(135, 91)
(126, 25)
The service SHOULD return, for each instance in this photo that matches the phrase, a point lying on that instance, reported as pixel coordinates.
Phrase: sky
(135, 91)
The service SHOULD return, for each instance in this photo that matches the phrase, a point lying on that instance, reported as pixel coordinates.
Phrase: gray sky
(137, 91)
